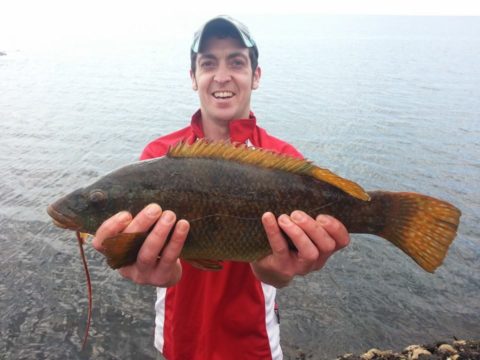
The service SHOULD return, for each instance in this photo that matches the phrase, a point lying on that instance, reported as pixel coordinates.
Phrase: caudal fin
(422, 226)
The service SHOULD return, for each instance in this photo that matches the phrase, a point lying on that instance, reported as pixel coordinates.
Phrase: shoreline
(442, 350)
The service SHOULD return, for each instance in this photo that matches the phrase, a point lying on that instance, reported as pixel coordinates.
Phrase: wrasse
(223, 190)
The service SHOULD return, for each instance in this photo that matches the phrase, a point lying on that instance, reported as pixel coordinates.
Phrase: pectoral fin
(122, 250)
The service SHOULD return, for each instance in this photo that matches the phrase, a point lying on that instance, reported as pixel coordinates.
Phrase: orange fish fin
(266, 159)
(422, 226)
(348, 186)
(205, 264)
(122, 249)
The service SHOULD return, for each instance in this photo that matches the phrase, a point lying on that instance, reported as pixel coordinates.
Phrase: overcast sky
(23, 21)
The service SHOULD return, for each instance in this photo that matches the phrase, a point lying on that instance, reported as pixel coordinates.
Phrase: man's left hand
(315, 240)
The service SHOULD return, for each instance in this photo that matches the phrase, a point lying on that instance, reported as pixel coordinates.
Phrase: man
(227, 314)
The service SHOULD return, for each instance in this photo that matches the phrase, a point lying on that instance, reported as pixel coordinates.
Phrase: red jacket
(227, 314)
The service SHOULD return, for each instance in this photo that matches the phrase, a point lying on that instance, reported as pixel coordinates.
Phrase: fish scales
(223, 201)
(223, 190)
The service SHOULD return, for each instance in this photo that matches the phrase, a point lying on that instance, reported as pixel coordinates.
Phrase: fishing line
(89, 287)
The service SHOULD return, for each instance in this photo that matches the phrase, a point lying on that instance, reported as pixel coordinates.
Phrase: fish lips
(62, 220)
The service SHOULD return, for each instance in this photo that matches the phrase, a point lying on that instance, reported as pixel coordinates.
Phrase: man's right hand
(149, 268)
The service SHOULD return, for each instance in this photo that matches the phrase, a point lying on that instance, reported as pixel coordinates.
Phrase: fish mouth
(62, 220)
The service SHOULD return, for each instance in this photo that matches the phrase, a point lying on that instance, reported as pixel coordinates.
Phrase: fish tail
(422, 226)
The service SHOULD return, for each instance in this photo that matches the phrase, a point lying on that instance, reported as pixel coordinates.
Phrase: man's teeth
(223, 94)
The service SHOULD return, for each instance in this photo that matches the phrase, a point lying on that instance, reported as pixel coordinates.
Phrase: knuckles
(328, 245)
(310, 257)
(144, 260)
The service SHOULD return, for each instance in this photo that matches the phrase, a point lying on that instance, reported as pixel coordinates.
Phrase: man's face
(224, 80)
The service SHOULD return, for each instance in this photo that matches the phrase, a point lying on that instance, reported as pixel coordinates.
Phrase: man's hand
(149, 268)
(315, 239)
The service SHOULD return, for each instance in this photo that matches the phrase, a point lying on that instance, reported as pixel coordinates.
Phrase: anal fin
(205, 264)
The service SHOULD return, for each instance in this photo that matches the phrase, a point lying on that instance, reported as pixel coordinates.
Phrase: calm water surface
(391, 102)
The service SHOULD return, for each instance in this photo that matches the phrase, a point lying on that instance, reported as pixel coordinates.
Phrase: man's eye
(238, 63)
(207, 64)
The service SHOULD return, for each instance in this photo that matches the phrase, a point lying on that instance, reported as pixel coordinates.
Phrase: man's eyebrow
(229, 56)
(236, 54)
(206, 56)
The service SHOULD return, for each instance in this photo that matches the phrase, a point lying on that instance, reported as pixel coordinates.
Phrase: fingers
(122, 222)
(144, 220)
(315, 231)
(172, 251)
(111, 227)
(149, 268)
(336, 230)
(277, 242)
(306, 248)
(325, 233)
(166, 270)
(155, 241)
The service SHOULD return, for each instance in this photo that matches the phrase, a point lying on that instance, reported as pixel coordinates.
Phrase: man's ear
(256, 78)
(194, 81)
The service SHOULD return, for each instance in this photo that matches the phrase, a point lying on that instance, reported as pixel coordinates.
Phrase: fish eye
(98, 198)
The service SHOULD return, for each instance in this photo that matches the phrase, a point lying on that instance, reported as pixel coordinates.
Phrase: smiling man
(229, 314)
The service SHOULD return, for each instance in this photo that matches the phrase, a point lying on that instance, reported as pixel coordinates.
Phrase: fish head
(82, 210)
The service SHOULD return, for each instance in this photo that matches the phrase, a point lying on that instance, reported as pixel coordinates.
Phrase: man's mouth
(223, 94)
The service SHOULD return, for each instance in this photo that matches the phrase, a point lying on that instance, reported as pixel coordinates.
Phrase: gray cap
(220, 25)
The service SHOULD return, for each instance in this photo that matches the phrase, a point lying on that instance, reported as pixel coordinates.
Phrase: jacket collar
(241, 130)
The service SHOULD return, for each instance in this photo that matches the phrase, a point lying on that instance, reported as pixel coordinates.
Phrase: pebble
(446, 348)
(370, 354)
(414, 351)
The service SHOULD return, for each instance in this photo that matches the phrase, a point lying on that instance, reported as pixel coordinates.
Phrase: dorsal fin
(266, 159)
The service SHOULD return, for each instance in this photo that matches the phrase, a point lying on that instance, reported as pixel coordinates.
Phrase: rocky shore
(453, 350)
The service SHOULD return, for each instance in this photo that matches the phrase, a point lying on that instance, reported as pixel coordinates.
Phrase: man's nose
(222, 75)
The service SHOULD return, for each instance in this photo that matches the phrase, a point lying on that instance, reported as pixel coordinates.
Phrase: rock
(410, 348)
(2, 53)
(377, 354)
(370, 354)
(441, 350)
(415, 351)
(446, 348)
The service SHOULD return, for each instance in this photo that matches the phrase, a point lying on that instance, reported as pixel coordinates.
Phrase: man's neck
(214, 131)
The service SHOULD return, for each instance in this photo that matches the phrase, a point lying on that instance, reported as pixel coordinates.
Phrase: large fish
(223, 190)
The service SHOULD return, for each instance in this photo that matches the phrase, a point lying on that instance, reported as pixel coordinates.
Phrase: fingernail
(123, 216)
(269, 220)
(153, 210)
(182, 226)
(168, 217)
(323, 219)
(284, 219)
(297, 216)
